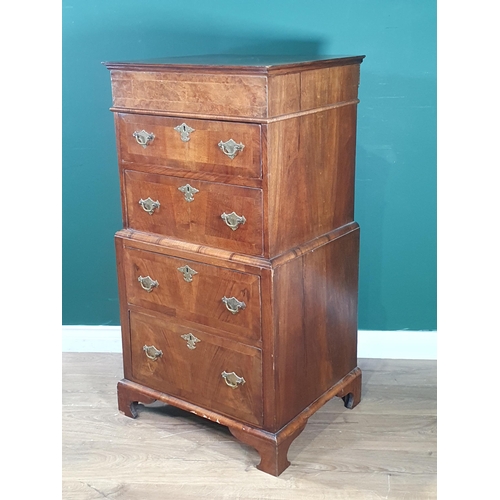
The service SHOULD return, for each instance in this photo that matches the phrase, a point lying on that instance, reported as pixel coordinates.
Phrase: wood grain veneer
(264, 367)
(198, 221)
(240, 91)
(200, 153)
(198, 301)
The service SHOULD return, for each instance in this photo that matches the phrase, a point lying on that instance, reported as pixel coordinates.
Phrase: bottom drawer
(204, 369)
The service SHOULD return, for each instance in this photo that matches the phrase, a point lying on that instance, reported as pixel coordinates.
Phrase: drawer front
(191, 291)
(190, 364)
(196, 145)
(190, 92)
(193, 211)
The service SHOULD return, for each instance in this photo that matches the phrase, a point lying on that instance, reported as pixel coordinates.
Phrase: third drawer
(206, 213)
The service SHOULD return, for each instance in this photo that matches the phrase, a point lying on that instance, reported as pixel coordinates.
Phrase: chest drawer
(195, 211)
(223, 299)
(201, 368)
(197, 145)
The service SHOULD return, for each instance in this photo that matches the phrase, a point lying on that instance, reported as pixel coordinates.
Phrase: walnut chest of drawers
(238, 257)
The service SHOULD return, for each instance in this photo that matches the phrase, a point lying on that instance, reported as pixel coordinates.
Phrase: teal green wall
(396, 152)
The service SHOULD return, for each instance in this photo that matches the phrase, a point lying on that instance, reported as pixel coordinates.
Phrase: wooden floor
(384, 448)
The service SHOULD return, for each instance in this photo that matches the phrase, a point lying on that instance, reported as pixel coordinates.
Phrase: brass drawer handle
(231, 148)
(147, 283)
(149, 205)
(187, 272)
(152, 352)
(191, 340)
(233, 305)
(232, 380)
(233, 220)
(184, 130)
(143, 138)
(189, 192)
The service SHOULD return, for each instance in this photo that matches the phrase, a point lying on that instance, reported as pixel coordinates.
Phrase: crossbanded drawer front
(197, 145)
(204, 369)
(226, 300)
(195, 211)
(193, 92)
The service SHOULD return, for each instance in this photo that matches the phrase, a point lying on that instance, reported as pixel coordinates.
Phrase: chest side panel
(316, 323)
(310, 176)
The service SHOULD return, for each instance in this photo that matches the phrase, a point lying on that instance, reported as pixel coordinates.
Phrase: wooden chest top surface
(237, 63)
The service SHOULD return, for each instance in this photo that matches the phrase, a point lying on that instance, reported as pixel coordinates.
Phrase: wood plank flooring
(383, 449)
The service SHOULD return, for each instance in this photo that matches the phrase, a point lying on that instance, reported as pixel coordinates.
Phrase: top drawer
(195, 145)
(234, 86)
(190, 92)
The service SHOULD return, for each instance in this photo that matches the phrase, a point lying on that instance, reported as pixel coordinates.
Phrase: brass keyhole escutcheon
(184, 130)
(189, 192)
(191, 340)
(187, 272)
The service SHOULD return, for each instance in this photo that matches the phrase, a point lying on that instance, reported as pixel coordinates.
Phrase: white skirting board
(399, 344)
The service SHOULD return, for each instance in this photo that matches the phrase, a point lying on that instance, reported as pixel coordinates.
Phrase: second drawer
(207, 213)
(223, 299)
(197, 145)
